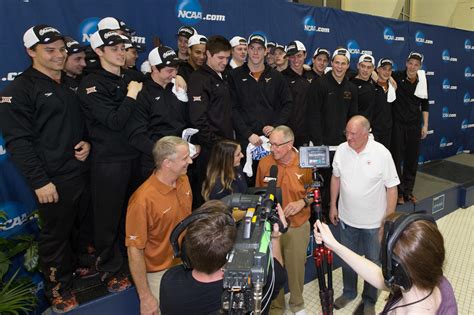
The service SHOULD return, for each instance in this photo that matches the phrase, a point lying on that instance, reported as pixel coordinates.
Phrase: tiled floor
(457, 229)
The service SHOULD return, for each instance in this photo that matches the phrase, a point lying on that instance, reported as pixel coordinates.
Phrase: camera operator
(208, 241)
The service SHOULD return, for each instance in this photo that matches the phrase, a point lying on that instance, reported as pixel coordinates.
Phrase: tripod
(323, 256)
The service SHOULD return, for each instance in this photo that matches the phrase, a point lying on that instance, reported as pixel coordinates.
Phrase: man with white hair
(365, 180)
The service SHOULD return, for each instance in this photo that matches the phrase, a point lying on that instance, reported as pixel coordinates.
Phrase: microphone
(271, 190)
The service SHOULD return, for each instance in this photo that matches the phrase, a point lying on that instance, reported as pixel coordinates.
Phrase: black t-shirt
(180, 293)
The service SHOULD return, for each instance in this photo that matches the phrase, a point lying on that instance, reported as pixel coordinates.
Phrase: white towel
(179, 92)
(421, 90)
(391, 94)
(327, 69)
(186, 135)
(255, 153)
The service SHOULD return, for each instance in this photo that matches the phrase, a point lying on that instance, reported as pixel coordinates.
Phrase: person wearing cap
(184, 33)
(384, 97)
(410, 123)
(107, 23)
(261, 97)
(210, 106)
(332, 100)
(299, 79)
(281, 62)
(75, 61)
(366, 88)
(321, 58)
(107, 102)
(129, 70)
(269, 54)
(197, 56)
(44, 131)
(158, 112)
(239, 51)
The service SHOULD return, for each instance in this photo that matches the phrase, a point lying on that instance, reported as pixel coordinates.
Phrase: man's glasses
(276, 145)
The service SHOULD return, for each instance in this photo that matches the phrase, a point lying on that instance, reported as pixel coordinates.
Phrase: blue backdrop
(448, 54)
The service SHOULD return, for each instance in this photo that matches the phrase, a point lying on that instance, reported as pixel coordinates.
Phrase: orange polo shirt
(153, 211)
(291, 179)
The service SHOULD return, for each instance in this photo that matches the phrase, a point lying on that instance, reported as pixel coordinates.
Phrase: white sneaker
(302, 312)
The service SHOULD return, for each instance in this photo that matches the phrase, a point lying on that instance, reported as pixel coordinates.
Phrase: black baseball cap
(257, 38)
(106, 38)
(163, 56)
(111, 23)
(415, 55)
(187, 31)
(41, 34)
(384, 61)
(322, 51)
(294, 47)
(72, 46)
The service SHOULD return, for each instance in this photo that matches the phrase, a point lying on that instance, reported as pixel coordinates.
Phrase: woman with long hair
(412, 265)
(224, 176)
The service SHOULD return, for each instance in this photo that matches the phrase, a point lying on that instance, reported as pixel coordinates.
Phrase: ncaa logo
(460, 150)
(467, 44)
(468, 72)
(354, 48)
(189, 12)
(86, 28)
(388, 35)
(446, 85)
(419, 38)
(445, 56)
(309, 25)
(465, 124)
(445, 114)
(467, 98)
(443, 143)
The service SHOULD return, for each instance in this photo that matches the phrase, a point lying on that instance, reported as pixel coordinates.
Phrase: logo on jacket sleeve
(197, 98)
(6, 99)
(91, 89)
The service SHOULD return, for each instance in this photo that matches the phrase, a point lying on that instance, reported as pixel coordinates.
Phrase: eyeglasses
(279, 145)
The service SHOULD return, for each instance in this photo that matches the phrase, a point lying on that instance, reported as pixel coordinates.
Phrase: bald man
(365, 179)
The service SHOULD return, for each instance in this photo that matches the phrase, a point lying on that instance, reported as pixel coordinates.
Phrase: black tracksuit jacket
(210, 106)
(330, 106)
(258, 104)
(41, 121)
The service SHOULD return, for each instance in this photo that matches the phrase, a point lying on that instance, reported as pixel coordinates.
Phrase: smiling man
(107, 102)
(210, 104)
(261, 97)
(365, 180)
(197, 56)
(292, 180)
(299, 81)
(157, 206)
(320, 61)
(44, 131)
(366, 88)
(159, 112)
(410, 125)
(332, 100)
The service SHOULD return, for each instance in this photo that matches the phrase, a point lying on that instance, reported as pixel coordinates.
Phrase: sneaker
(86, 272)
(400, 200)
(301, 312)
(341, 302)
(64, 303)
(117, 283)
(411, 198)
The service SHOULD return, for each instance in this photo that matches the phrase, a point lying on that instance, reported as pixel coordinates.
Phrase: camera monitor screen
(311, 157)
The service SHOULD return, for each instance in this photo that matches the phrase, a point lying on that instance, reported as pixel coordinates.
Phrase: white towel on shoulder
(421, 90)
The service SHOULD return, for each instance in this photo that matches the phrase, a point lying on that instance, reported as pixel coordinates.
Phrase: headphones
(180, 252)
(394, 272)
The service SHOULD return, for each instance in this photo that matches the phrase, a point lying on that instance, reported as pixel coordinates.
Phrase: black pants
(56, 256)
(112, 185)
(405, 148)
(384, 138)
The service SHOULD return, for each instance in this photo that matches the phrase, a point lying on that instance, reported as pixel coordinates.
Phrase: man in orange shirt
(291, 179)
(155, 208)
